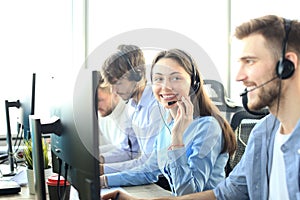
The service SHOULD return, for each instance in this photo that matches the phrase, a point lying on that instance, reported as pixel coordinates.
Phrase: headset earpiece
(195, 83)
(134, 75)
(285, 68)
(195, 79)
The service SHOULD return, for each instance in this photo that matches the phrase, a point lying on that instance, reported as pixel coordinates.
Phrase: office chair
(217, 94)
(242, 124)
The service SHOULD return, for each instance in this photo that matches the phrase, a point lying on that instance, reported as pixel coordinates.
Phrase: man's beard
(106, 113)
(267, 96)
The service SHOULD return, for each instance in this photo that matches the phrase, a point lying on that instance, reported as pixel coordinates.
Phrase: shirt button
(298, 151)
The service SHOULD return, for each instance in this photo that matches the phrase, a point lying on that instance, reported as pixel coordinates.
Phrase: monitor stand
(9, 104)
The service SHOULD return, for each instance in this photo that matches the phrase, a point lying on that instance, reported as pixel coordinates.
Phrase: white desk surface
(151, 190)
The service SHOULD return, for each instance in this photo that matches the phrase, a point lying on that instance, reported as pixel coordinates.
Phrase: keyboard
(9, 187)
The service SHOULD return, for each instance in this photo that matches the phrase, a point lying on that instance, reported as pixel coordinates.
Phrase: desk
(24, 194)
(151, 190)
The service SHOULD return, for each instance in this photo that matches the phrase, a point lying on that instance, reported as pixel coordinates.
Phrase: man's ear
(293, 57)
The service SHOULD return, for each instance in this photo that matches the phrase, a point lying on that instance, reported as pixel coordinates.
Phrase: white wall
(35, 37)
(203, 22)
(42, 36)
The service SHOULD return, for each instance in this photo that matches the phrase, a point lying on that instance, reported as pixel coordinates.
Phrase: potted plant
(29, 163)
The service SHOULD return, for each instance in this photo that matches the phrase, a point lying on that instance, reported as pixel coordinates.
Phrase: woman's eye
(176, 78)
(157, 79)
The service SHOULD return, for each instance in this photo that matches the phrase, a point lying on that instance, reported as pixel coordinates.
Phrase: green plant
(28, 154)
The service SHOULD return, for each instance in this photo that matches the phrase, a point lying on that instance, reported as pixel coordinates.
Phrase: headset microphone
(191, 93)
(253, 112)
(261, 85)
(171, 103)
(245, 98)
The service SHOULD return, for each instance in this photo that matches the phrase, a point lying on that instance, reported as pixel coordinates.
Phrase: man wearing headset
(125, 70)
(269, 68)
(114, 126)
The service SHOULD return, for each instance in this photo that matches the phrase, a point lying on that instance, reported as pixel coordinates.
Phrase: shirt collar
(147, 94)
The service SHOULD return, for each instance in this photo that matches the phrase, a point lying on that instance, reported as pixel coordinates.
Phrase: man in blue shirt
(125, 70)
(269, 68)
(114, 126)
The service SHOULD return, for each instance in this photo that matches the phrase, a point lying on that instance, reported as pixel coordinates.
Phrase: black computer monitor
(25, 105)
(74, 145)
(78, 145)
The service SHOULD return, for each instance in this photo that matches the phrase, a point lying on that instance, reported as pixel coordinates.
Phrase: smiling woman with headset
(192, 148)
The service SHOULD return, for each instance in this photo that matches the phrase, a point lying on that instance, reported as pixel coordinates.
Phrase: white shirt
(278, 186)
(115, 130)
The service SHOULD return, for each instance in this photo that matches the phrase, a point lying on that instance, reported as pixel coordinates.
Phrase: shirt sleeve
(190, 167)
(146, 134)
(235, 185)
(142, 174)
(124, 151)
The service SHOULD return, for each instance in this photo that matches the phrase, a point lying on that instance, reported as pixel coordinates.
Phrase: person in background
(125, 70)
(192, 148)
(114, 126)
(269, 68)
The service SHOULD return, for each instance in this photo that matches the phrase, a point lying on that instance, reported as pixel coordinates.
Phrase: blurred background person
(115, 126)
(125, 70)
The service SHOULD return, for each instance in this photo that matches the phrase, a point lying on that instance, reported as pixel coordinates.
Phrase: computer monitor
(25, 106)
(74, 146)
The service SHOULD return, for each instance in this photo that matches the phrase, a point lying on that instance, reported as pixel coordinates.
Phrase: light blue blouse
(196, 167)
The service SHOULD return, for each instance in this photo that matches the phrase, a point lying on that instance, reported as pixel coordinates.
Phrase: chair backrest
(242, 124)
(217, 94)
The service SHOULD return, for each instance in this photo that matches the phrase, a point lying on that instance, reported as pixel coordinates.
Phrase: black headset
(285, 68)
(195, 79)
(134, 74)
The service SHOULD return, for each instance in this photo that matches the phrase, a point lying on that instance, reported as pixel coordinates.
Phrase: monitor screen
(24, 103)
(75, 150)
(27, 107)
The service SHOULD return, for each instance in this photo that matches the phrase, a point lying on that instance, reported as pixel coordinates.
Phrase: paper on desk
(20, 178)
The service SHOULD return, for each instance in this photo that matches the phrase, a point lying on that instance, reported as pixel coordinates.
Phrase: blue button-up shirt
(196, 167)
(146, 122)
(249, 179)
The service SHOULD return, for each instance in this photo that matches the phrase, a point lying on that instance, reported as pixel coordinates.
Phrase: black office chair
(242, 124)
(217, 94)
